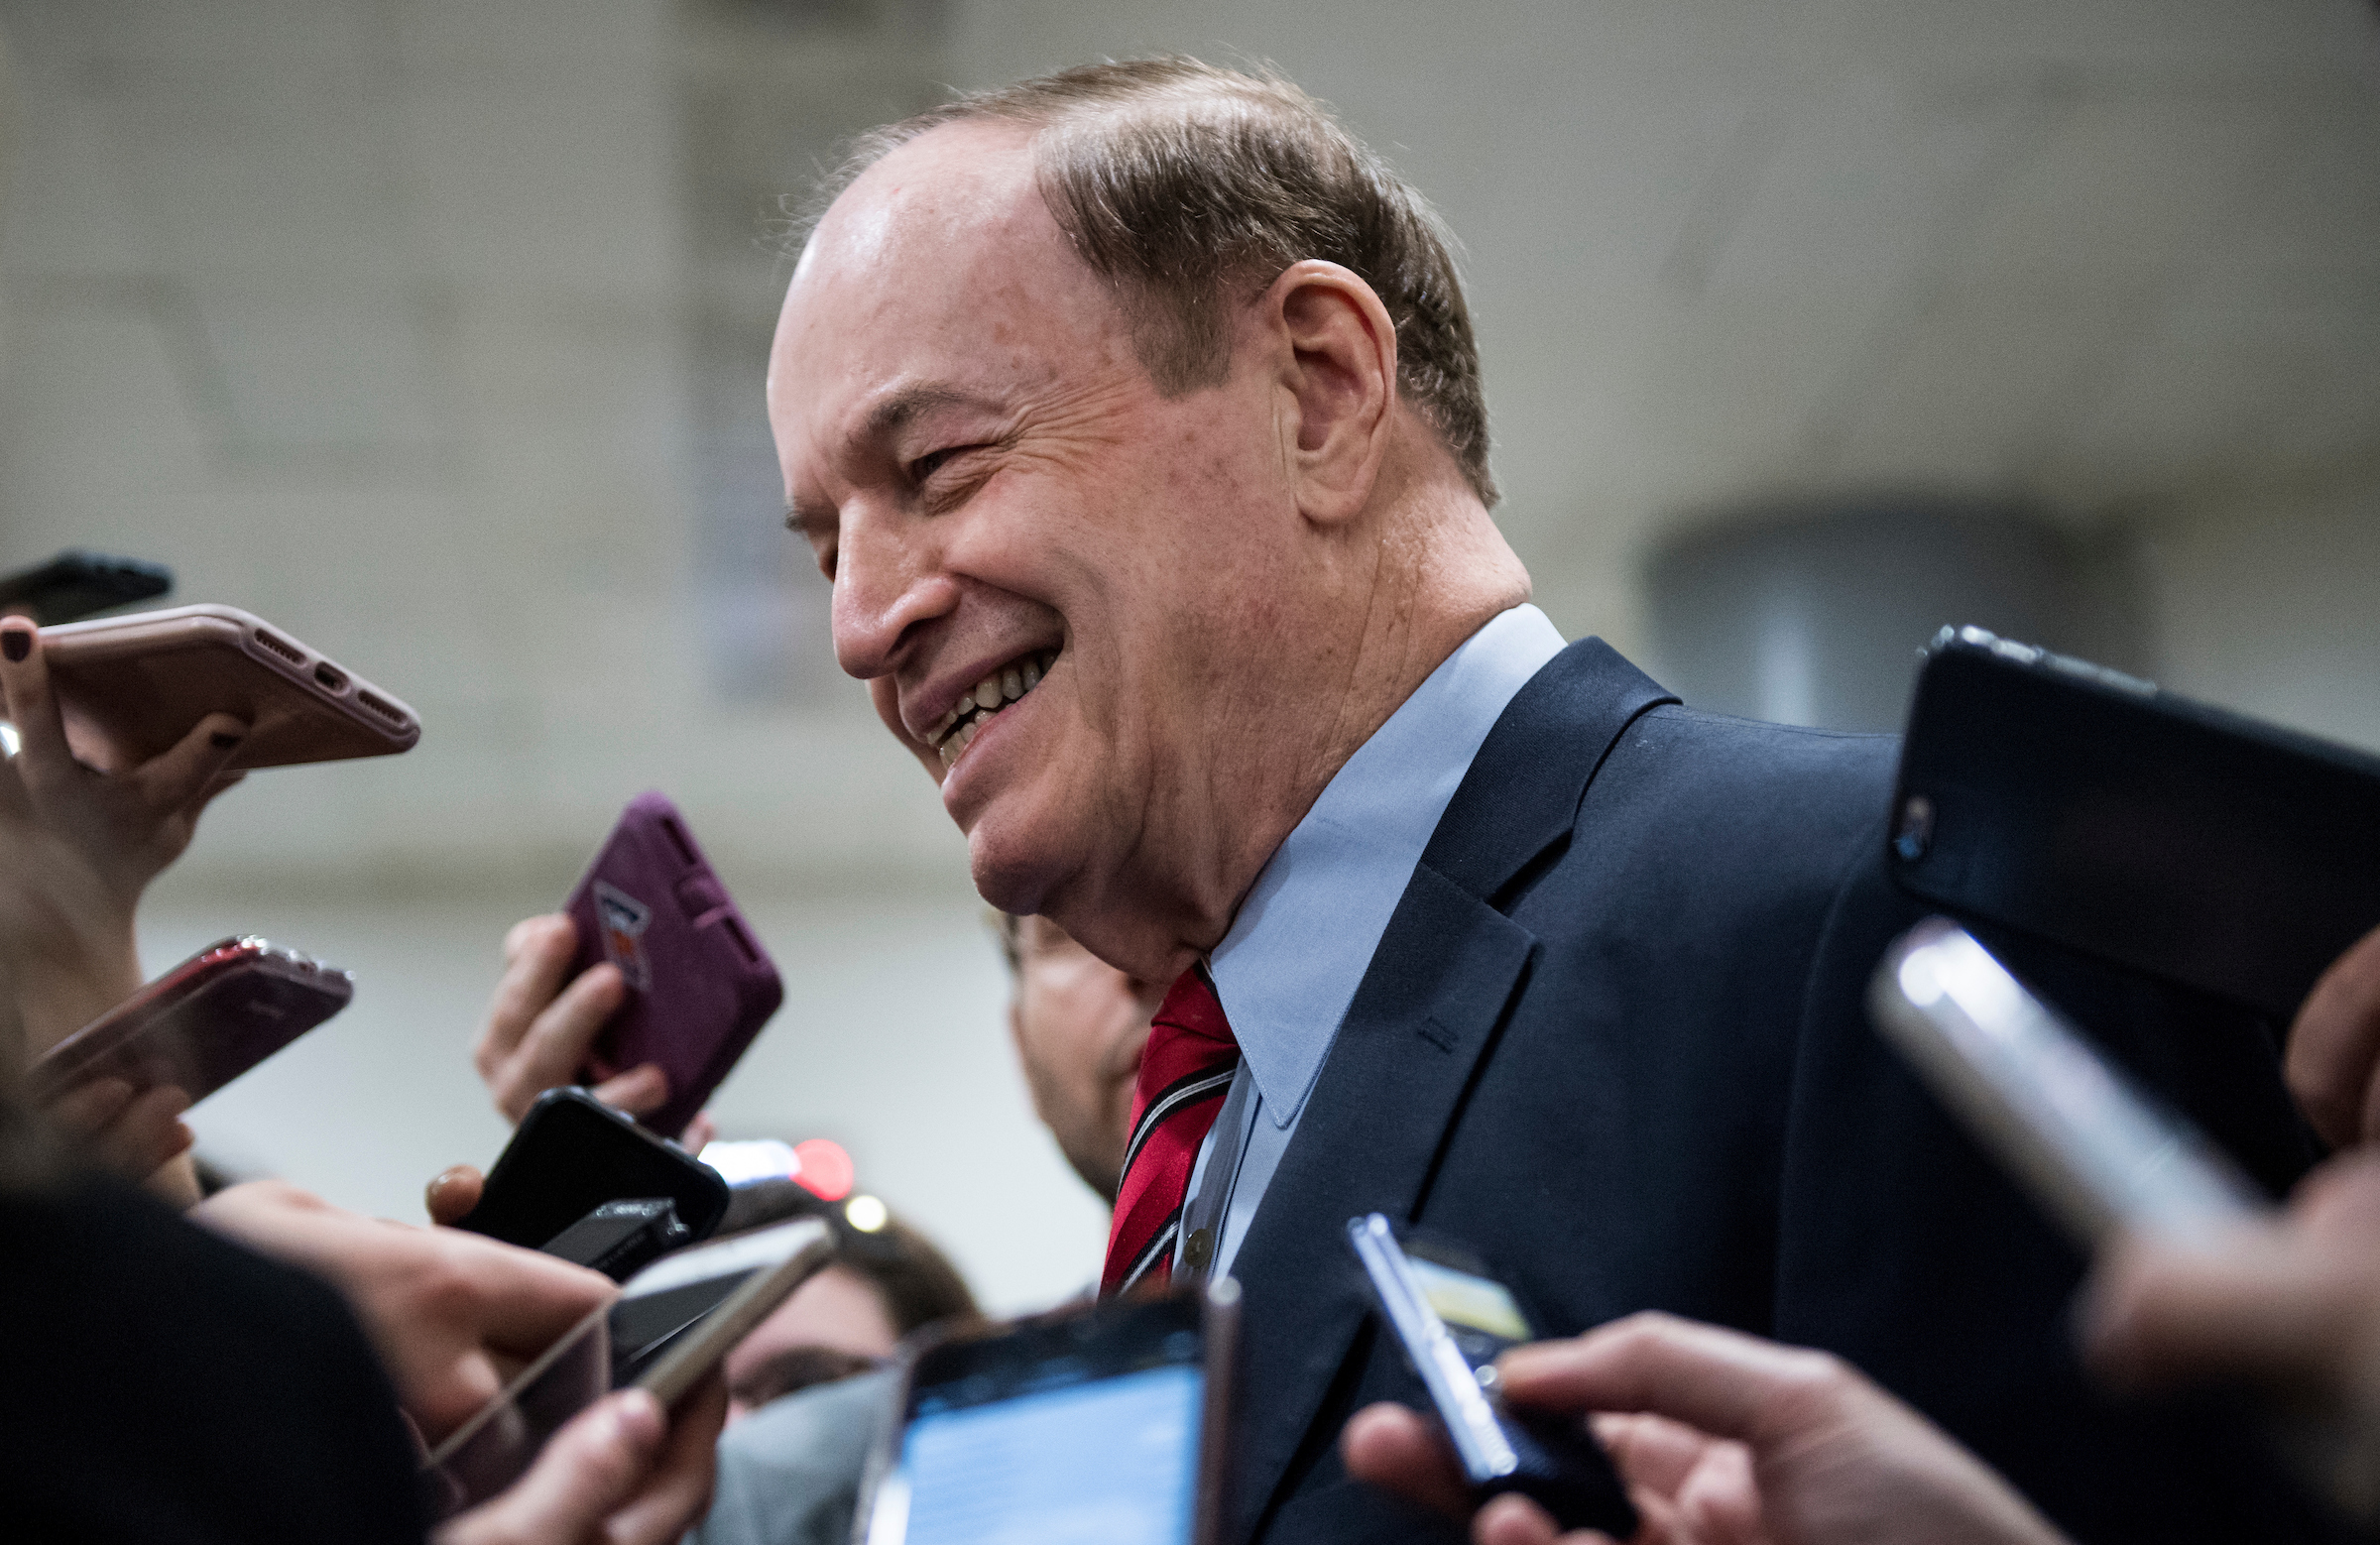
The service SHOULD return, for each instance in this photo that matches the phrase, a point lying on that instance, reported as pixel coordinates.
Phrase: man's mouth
(957, 729)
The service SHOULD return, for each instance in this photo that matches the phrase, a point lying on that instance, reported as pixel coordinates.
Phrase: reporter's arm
(452, 1313)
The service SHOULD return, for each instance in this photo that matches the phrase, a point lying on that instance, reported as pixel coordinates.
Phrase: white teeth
(987, 692)
(1012, 685)
(1032, 675)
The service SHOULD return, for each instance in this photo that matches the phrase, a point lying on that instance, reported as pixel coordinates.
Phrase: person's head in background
(1078, 1024)
(886, 1283)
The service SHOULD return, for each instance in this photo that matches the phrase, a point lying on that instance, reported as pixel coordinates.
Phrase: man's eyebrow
(900, 408)
(808, 515)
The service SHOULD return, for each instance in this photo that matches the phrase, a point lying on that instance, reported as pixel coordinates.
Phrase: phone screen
(1089, 1443)
(1469, 1301)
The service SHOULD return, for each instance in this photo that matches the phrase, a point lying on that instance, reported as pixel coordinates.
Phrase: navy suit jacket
(1615, 1039)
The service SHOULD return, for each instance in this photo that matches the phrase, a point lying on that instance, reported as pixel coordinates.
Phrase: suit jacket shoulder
(1614, 1039)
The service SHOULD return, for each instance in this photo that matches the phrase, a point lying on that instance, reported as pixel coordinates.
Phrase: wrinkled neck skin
(1358, 621)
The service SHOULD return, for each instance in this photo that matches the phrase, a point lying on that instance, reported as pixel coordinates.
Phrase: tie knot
(1189, 1025)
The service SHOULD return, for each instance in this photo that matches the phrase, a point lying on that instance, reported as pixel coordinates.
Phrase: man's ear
(1336, 354)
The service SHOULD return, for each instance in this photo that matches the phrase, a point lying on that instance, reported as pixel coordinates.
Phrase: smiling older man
(1136, 417)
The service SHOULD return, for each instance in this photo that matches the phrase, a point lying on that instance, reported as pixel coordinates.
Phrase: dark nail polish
(16, 642)
(224, 740)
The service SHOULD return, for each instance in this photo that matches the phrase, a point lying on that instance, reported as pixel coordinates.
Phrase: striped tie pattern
(1185, 1071)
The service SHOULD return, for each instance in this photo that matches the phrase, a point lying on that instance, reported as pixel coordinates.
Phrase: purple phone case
(700, 987)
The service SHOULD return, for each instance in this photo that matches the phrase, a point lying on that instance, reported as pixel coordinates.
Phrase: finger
(537, 955)
(148, 1135)
(1512, 1520)
(1724, 1384)
(1397, 1450)
(639, 1091)
(87, 1108)
(588, 1469)
(2157, 1317)
(699, 1135)
(179, 776)
(43, 755)
(555, 1048)
(452, 1193)
(678, 1491)
(525, 1299)
(2334, 1044)
(1653, 1451)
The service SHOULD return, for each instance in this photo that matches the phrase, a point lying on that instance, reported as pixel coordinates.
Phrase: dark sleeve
(164, 1385)
(1907, 1248)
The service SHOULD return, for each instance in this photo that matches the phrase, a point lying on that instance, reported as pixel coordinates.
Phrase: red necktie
(1185, 1071)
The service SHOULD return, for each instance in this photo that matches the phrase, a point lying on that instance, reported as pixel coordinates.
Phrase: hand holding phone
(699, 985)
(1454, 1321)
(669, 1331)
(132, 687)
(570, 1155)
(79, 844)
(202, 1025)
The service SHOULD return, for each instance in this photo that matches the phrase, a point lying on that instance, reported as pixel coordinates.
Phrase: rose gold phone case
(135, 685)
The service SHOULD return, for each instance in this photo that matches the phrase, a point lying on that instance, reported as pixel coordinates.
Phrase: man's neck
(1433, 576)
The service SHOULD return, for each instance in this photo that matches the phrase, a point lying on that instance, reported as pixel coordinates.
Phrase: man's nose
(888, 584)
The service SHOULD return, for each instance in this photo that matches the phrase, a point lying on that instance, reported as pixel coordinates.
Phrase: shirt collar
(1305, 936)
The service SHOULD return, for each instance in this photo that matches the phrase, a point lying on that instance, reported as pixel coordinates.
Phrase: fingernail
(639, 1417)
(16, 642)
(223, 739)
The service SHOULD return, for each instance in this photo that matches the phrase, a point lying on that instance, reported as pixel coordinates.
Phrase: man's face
(1057, 581)
(1080, 1025)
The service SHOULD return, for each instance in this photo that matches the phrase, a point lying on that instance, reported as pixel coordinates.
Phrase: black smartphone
(78, 584)
(1105, 1424)
(1454, 1320)
(202, 1025)
(621, 1238)
(573, 1153)
(2101, 813)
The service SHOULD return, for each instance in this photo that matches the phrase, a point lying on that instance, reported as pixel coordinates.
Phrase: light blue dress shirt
(1289, 966)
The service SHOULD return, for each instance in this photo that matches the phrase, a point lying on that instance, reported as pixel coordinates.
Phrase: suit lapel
(1439, 985)
(1433, 997)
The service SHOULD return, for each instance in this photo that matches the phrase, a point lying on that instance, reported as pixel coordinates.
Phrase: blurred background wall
(434, 329)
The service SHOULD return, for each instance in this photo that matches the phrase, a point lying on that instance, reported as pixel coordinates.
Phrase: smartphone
(2099, 812)
(621, 1238)
(700, 987)
(202, 1025)
(1105, 1424)
(2100, 1153)
(1453, 1319)
(132, 686)
(573, 1153)
(736, 1282)
(77, 585)
(2099, 1150)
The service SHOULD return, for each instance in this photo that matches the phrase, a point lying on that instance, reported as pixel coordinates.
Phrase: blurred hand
(135, 1136)
(613, 1475)
(2333, 1061)
(452, 1314)
(2294, 1307)
(538, 1031)
(452, 1193)
(1724, 1439)
(78, 845)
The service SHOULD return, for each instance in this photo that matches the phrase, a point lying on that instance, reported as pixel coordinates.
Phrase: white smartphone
(2101, 1153)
